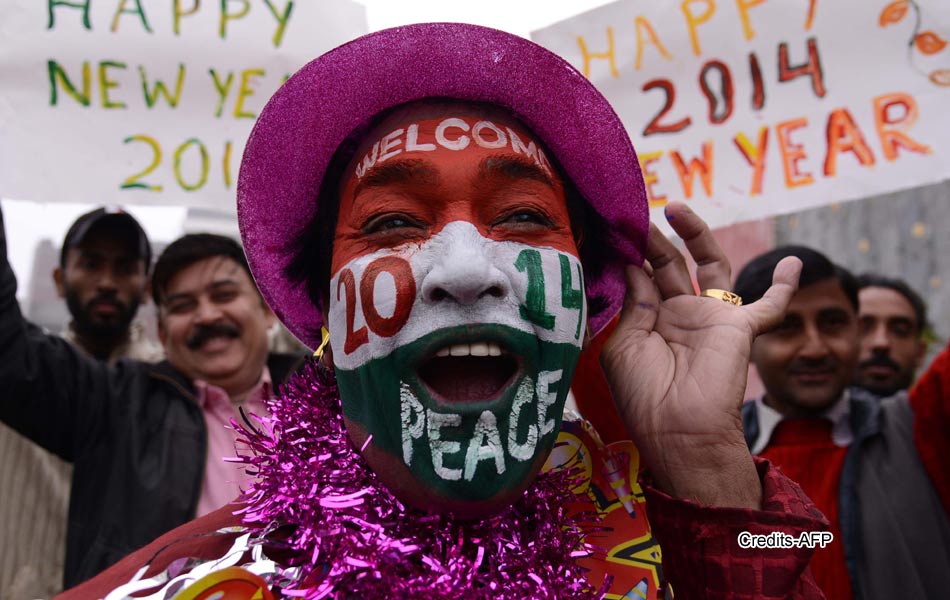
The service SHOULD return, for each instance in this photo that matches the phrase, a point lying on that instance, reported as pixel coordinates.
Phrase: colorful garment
(583, 479)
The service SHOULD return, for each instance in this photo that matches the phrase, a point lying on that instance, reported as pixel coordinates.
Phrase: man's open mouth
(468, 372)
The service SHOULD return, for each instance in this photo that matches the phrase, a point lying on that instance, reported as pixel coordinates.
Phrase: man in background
(892, 320)
(147, 440)
(103, 276)
(866, 462)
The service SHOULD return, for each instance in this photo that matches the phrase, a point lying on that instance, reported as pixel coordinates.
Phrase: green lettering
(83, 5)
(57, 74)
(226, 16)
(121, 9)
(160, 89)
(534, 309)
(246, 90)
(281, 20)
(178, 13)
(222, 89)
(571, 298)
(105, 84)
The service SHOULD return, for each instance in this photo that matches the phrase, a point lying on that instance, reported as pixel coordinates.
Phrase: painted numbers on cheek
(401, 272)
(354, 339)
(571, 298)
(534, 310)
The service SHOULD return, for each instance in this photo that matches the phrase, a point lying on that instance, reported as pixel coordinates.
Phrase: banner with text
(147, 102)
(749, 108)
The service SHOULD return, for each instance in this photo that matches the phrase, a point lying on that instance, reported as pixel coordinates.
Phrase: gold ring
(724, 295)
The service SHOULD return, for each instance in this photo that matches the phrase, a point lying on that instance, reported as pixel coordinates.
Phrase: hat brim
(307, 119)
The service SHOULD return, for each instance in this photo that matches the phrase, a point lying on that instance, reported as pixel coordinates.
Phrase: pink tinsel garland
(353, 538)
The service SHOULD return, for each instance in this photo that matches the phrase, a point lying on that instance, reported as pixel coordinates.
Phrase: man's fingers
(670, 271)
(712, 265)
(769, 310)
(642, 303)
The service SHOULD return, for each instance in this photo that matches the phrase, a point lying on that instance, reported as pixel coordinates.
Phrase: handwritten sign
(133, 102)
(749, 108)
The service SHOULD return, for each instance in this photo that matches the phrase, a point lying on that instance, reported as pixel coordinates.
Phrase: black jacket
(134, 432)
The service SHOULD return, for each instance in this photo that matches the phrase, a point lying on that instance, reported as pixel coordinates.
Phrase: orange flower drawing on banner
(929, 42)
(894, 12)
(926, 43)
(941, 77)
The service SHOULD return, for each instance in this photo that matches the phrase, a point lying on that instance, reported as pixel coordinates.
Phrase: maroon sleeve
(195, 539)
(930, 399)
(701, 553)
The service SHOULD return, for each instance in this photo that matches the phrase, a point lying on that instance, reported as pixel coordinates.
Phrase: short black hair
(756, 277)
(900, 286)
(189, 249)
(314, 245)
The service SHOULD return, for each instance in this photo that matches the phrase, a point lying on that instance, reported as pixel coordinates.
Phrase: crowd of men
(110, 442)
(848, 349)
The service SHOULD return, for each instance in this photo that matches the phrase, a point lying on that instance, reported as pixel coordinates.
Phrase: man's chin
(416, 493)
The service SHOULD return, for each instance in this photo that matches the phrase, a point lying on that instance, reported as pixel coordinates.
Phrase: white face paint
(387, 313)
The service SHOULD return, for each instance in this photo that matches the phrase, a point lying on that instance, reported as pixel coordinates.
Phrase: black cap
(78, 230)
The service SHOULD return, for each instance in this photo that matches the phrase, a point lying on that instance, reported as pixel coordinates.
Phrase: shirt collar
(208, 393)
(838, 413)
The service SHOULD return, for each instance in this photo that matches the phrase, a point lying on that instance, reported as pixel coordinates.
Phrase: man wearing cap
(103, 275)
(146, 440)
(461, 224)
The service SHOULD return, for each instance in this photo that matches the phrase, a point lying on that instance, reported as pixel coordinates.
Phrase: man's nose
(815, 346)
(106, 280)
(878, 338)
(207, 312)
(464, 273)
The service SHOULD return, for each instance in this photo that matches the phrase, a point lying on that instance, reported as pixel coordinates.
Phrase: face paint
(456, 323)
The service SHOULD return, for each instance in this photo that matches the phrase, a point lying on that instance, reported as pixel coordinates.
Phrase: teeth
(475, 349)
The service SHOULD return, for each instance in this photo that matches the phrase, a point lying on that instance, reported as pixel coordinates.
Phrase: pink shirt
(223, 480)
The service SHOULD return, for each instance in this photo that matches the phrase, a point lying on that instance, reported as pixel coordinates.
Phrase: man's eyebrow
(394, 171)
(515, 167)
(214, 285)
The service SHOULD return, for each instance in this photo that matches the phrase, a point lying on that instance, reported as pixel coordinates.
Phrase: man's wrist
(724, 475)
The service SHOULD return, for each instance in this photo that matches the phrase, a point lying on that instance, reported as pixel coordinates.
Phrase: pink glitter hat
(304, 123)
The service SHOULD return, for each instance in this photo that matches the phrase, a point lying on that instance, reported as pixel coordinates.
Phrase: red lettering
(687, 173)
(401, 272)
(654, 125)
(894, 138)
(812, 68)
(844, 135)
(354, 339)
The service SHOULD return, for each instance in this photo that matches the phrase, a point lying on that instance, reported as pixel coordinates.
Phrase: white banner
(147, 101)
(749, 108)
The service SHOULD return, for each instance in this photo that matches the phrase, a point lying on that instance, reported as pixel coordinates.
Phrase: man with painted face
(461, 225)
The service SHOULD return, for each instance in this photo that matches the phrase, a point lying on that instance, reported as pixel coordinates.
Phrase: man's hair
(756, 277)
(314, 245)
(900, 286)
(186, 251)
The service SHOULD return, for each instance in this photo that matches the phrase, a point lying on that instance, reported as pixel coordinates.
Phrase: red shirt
(805, 452)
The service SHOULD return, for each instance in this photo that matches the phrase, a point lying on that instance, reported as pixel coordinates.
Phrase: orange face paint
(420, 174)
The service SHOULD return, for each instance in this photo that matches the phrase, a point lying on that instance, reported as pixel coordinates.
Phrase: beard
(91, 326)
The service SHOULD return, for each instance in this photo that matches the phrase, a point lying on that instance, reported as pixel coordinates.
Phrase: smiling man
(867, 463)
(147, 441)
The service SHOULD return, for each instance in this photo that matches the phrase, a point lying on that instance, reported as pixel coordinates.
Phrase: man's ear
(58, 279)
(922, 346)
